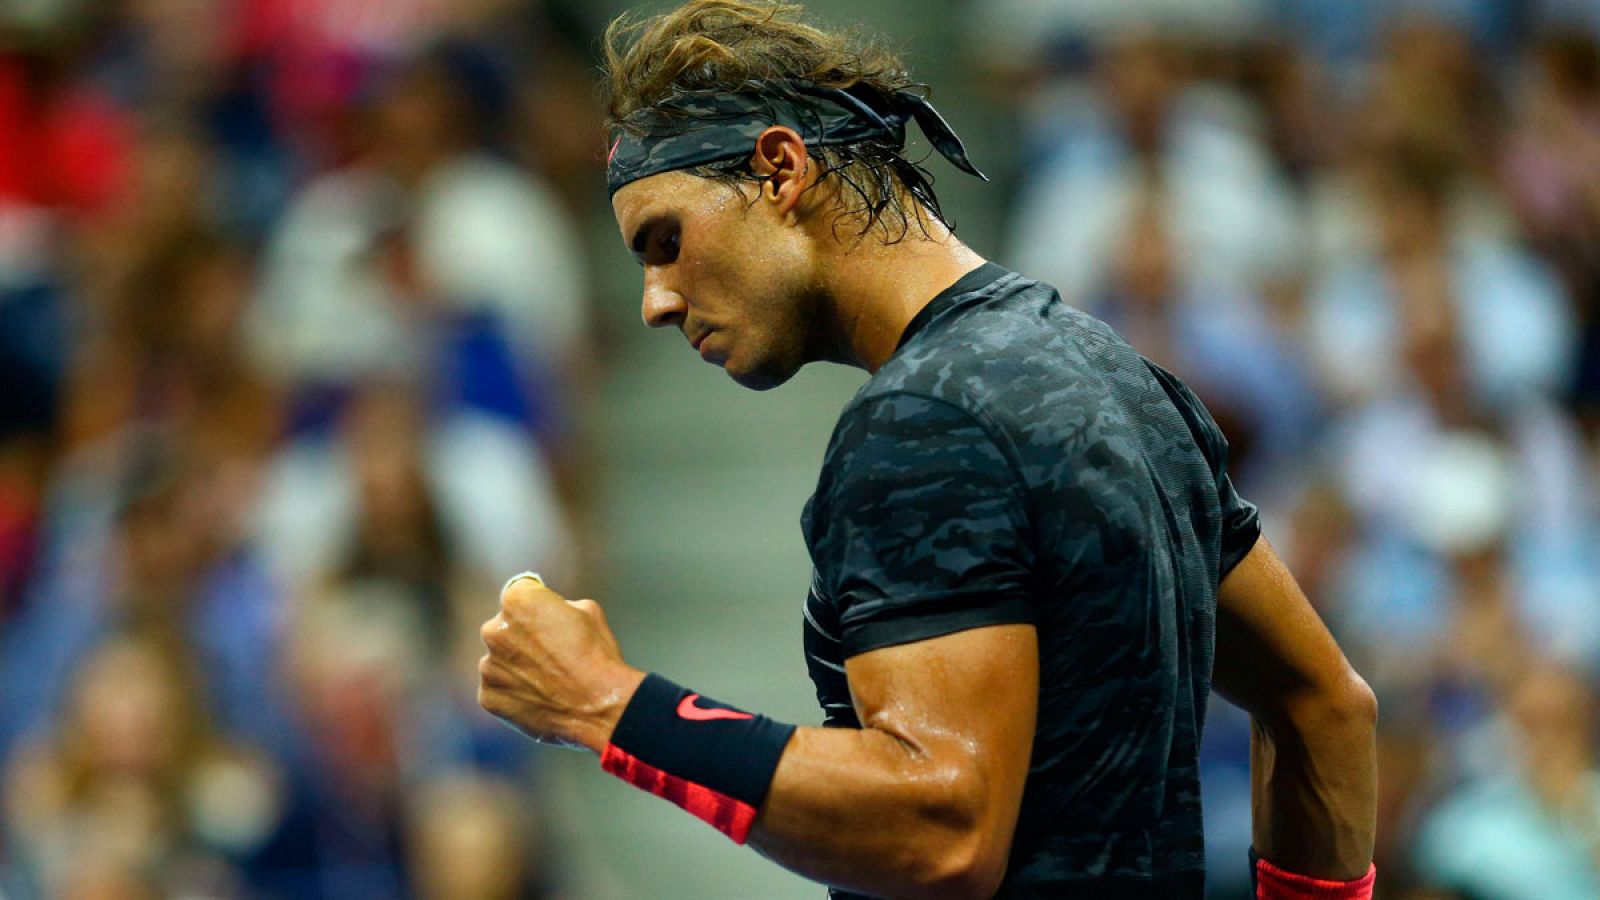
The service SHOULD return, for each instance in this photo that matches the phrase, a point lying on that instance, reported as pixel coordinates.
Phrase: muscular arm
(1313, 755)
(923, 799)
(919, 802)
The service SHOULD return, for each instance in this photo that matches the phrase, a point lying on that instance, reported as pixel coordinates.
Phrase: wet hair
(724, 45)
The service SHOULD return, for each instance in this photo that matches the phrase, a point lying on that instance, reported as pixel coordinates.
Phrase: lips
(699, 339)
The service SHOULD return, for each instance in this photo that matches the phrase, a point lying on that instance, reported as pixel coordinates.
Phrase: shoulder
(907, 428)
(977, 344)
(902, 460)
(1201, 425)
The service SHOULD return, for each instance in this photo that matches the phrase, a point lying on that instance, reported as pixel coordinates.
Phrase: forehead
(668, 193)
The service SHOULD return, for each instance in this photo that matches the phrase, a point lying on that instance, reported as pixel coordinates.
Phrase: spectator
(133, 789)
(1232, 216)
(1222, 344)
(463, 492)
(169, 561)
(1549, 173)
(472, 839)
(1516, 321)
(1532, 829)
(446, 259)
(1455, 552)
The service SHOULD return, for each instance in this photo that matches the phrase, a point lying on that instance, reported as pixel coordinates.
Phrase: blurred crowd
(294, 358)
(292, 330)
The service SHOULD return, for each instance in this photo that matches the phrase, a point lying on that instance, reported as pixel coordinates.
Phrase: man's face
(734, 277)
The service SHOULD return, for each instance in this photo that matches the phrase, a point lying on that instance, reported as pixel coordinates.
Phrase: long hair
(725, 44)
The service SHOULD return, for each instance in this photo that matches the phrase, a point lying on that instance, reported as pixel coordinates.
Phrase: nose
(663, 306)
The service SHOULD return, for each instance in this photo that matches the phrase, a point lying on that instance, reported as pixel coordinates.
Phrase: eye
(666, 245)
(656, 242)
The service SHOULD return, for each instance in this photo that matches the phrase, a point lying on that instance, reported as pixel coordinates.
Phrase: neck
(874, 289)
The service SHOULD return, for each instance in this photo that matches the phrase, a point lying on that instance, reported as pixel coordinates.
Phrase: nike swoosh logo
(687, 710)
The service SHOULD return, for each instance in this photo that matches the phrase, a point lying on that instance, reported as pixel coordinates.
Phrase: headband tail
(938, 131)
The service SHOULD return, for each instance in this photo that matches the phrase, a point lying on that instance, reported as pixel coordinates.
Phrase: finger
(491, 673)
(493, 630)
(598, 616)
(592, 609)
(492, 703)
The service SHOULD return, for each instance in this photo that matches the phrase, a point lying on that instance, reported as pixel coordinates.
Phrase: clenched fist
(553, 670)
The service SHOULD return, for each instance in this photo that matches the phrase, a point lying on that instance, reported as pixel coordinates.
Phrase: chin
(761, 377)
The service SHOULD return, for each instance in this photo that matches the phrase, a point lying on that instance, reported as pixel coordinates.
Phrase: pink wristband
(1273, 883)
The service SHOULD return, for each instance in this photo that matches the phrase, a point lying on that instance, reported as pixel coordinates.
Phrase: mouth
(705, 350)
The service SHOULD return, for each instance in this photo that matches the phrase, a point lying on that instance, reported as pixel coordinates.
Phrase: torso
(1127, 530)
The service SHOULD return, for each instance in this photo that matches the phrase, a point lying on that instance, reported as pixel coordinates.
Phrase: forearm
(871, 812)
(1314, 787)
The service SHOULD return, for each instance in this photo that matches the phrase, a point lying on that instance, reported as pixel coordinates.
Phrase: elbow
(960, 855)
(1348, 708)
(963, 869)
(970, 880)
(1364, 703)
(1355, 705)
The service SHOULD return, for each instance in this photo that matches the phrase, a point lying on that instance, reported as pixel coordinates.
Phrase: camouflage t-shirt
(1017, 461)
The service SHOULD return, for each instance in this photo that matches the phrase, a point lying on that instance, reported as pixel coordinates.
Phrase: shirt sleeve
(919, 526)
(1240, 521)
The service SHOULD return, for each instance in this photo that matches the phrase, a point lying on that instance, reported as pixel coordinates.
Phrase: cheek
(717, 283)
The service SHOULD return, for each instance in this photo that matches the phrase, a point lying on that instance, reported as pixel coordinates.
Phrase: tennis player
(1031, 566)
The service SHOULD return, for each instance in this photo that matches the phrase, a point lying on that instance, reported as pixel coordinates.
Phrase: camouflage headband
(724, 125)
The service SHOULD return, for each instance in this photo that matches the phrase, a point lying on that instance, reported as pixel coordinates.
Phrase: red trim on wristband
(730, 816)
(1273, 883)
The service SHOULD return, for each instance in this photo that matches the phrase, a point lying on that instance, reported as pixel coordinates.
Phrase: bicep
(925, 796)
(1272, 648)
(962, 703)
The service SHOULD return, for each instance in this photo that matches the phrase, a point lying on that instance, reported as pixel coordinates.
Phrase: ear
(781, 159)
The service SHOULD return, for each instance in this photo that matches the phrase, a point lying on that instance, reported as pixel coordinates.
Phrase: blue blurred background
(314, 325)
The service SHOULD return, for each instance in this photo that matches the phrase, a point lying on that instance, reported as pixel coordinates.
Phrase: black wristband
(714, 761)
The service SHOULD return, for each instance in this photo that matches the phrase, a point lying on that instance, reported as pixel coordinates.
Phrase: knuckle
(491, 675)
(495, 633)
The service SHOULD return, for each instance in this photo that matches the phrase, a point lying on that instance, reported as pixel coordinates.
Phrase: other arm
(1314, 723)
